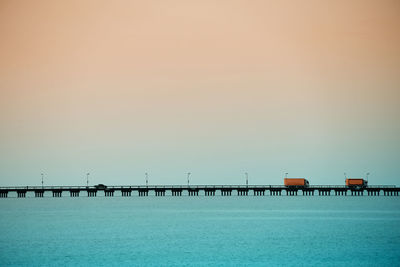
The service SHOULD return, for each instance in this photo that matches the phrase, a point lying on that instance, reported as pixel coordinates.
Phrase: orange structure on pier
(295, 182)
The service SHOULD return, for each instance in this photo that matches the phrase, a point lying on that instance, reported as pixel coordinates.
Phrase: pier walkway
(196, 190)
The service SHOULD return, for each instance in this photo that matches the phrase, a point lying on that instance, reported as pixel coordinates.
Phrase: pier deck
(193, 190)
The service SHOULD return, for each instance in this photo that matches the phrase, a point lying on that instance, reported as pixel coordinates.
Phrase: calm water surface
(231, 231)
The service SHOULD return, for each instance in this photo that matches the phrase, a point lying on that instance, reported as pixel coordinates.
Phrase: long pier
(196, 190)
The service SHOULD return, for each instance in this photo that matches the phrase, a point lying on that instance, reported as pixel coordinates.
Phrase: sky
(215, 88)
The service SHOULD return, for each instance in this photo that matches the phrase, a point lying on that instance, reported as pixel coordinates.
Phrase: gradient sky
(217, 88)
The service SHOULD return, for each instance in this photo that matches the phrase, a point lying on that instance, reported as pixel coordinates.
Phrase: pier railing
(193, 190)
(152, 187)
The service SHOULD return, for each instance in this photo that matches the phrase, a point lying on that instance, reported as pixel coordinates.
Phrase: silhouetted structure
(197, 190)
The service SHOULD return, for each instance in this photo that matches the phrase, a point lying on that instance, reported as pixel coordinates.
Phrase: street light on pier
(247, 178)
(147, 178)
(286, 174)
(366, 177)
(188, 176)
(42, 179)
(87, 179)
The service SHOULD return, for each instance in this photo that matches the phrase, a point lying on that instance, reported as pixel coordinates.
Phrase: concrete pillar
(226, 192)
(242, 192)
(21, 193)
(191, 193)
(74, 193)
(126, 192)
(92, 193)
(57, 193)
(109, 193)
(143, 193)
(176, 193)
(3, 194)
(160, 193)
(39, 193)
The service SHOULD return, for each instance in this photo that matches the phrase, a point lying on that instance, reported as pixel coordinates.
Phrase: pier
(196, 190)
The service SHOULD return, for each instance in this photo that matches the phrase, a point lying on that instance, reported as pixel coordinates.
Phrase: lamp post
(42, 179)
(367, 176)
(188, 176)
(147, 178)
(87, 179)
(247, 178)
(286, 174)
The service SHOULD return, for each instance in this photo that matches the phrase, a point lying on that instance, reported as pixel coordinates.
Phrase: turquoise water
(231, 231)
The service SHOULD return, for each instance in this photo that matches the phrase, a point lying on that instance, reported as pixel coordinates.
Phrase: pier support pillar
(275, 192)
(160, 193)
(57, 193)
(108, 193)
(259, 192)
(74, 193)
(143, 193)
(21, 193)
(226, 192)
(209, 192)
(243, 192)
(126, 192)
(39, 193)
(3, 194)
(176, 193)
(193, 192)
(92, 193)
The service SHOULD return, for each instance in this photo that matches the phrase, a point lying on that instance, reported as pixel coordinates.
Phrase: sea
(200, 231)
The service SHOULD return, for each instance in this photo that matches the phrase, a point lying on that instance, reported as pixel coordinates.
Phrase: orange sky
(217, 87)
